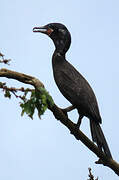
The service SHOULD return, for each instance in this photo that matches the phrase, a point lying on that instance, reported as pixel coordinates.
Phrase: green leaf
(28, 108)
(7, 94)
(39, 99)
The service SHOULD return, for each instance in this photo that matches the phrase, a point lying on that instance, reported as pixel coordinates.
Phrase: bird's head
(58, 33)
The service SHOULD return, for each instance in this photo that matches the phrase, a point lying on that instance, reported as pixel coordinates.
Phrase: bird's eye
(61, 30)
(51, 26)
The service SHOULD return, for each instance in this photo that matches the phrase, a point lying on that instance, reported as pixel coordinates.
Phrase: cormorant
(72, 84)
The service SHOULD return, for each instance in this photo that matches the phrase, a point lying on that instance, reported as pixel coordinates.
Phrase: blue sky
(44, 149)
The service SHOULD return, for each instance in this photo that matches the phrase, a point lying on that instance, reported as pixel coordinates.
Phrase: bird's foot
(65, 112)
(70, 108)
(76, 128)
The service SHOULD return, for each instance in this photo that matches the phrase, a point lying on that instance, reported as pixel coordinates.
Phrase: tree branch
(21, 77)
(91, 175)
(5, 61)
(59, 115)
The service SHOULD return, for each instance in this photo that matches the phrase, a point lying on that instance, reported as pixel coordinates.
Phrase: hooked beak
(43, 29)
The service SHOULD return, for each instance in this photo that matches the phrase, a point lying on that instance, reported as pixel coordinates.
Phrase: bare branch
(13, 89)
(20, 77)
(5, 61)
(91, 175)
(2, 55)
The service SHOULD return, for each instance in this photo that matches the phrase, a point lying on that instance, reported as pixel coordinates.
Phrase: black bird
(72, 84)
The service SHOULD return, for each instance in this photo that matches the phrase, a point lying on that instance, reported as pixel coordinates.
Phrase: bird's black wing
(77, 90)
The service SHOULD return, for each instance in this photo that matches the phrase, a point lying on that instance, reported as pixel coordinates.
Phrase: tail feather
(99, 138)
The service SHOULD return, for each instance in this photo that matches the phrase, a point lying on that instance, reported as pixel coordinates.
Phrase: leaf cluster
(39, 99)
(7, 94)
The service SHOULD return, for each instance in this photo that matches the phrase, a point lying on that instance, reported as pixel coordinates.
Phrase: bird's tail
(99, 138)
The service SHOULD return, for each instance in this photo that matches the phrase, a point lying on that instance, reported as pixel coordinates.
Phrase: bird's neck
(59, 53)
(57, 60)
(60, 48)
(62, 45)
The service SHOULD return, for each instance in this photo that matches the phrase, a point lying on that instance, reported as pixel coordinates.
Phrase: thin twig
(5, 61)
(91, 175)
(14, 89)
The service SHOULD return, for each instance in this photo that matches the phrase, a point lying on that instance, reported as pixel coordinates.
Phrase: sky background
(44, 149)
